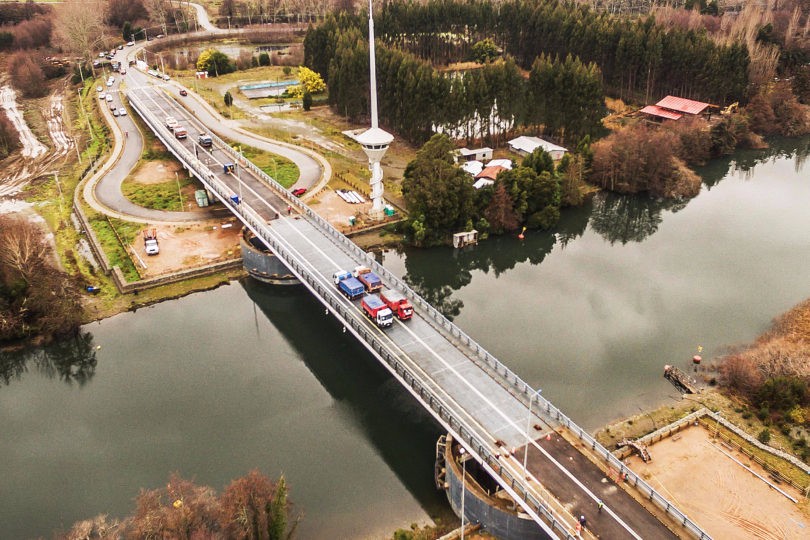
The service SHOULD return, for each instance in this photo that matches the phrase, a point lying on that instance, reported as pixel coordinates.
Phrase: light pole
(462, 451)
(528, 427)
(84, 113)
(179, 193)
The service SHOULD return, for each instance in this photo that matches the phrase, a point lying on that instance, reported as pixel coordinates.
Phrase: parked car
(108, 97)
(159, 36)
(113, 107)
(183, 92)
(110, 83)
(115, 111)
(171, 122)
(120, 47)
(205, 141)
(130, 43)
(99, 89)
(165, 77)
(122, 111)
(123, 71)
(299, 191)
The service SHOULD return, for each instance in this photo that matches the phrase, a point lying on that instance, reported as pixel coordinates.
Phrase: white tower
(374, 140)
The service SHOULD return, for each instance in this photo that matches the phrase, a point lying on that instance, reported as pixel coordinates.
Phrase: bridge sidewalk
(617, 501)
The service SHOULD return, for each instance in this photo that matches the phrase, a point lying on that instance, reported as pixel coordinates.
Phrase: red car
(183, 92)
(300, 191)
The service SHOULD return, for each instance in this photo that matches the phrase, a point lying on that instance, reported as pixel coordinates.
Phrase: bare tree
(79, 26)
(22, 249)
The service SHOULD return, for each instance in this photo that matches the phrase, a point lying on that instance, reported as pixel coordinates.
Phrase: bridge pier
(261, 264)
(483, 500)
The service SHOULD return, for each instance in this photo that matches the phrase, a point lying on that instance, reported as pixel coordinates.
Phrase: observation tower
(375, 141)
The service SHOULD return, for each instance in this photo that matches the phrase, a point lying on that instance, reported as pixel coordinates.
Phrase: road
(203, 20)
(105, 194)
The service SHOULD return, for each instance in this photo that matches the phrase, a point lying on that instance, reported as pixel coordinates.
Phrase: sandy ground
(337, 211)
(187, 246)
(156, 172)
(719, 494)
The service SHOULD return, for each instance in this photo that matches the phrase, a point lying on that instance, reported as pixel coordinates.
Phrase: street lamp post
(179, 192)
(528, 427)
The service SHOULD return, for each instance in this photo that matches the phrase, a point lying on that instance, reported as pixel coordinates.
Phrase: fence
(716, 420)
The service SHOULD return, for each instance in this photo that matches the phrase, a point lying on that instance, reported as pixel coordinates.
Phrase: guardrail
(429, 399)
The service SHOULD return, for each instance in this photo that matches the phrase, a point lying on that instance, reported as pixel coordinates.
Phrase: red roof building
(490, 173)
(673, 108)
(655, 110)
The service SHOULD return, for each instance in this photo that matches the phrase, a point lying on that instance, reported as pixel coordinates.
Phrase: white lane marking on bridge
(448, 367)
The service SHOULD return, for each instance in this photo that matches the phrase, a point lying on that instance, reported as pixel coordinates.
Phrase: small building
(525, 145)
(505, 163)
(483, 182)
(472, 167)
(467, 238)
(490, 172)
(675, 108)
(477, 154)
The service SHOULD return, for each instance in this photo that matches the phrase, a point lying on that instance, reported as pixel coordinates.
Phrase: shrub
(26, 75)
(764, 436)
(9, 137)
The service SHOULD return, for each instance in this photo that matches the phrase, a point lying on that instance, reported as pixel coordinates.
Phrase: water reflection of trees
(621, 218)
(745, 161)
(72, 360)
(436, 273)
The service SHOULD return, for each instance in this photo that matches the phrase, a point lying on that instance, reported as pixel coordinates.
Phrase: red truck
(369, 279)
(377, 311)
(397, 302)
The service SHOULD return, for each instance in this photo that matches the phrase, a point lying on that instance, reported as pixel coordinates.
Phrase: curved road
(203, 20)
(103, 191)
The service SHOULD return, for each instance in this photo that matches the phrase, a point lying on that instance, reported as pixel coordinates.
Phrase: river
(248, 376)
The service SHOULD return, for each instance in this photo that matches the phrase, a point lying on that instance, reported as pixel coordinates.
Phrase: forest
(589, 54)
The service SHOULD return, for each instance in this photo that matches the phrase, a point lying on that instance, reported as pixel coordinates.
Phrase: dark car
(183, 92)
(299, 191)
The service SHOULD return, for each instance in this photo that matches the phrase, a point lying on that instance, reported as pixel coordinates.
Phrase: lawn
(284, 171)
(160, 196)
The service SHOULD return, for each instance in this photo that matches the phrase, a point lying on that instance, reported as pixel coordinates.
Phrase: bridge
(505, 424)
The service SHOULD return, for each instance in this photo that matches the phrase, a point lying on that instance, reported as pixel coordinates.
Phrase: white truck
(150, 242)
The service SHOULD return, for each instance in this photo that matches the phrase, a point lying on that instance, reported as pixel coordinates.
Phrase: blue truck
(348, 285)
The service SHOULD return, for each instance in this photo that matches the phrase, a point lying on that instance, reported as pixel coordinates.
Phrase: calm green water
(247, 376)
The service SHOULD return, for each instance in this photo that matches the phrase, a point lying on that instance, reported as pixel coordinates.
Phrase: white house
(505, 163)
(478, 154)
(525, 145)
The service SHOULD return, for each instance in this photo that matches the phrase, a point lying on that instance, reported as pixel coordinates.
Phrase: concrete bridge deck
(474, 396)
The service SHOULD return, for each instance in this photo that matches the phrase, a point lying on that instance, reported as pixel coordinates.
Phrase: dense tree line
(637, 57)
(35, 298)
(485, 103)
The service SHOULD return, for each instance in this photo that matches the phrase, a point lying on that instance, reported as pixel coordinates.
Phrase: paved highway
(105, 194)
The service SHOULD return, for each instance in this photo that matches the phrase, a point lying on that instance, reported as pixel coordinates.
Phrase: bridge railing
(509, 379)
(431, 400)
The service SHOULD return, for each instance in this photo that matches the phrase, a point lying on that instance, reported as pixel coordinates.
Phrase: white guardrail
(485, 360)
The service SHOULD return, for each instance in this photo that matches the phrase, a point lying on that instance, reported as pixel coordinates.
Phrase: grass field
(284, 171)
(160, 196)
